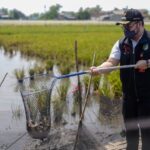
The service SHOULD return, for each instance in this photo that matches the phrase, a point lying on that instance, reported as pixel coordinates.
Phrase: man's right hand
(94, 70)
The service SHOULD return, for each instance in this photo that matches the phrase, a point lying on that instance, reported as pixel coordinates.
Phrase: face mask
(128, 33)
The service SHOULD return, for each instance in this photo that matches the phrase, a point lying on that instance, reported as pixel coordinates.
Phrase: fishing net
(45, 109)
(36, 97)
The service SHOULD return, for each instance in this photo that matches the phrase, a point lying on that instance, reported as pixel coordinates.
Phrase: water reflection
(9, 94)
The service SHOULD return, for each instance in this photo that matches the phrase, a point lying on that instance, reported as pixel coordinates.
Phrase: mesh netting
(36, 97)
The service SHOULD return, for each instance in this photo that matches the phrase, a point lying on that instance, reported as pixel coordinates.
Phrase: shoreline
(59, 22)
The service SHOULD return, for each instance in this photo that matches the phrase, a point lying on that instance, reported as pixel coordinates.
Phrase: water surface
(9, 94)
(11, 100)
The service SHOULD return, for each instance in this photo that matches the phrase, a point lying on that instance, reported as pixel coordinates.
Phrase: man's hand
(109, 63)
(141, 64)
(94, 70)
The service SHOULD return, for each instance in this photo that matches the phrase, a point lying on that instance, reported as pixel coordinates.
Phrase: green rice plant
(19, 73)
(95, 81)
(39, 100)
(110, 86)
(105, 88)
(49, 66)
(58, 109)
(37, 106)
(39, 69)
(32, 109)
(110, 94)
(31, 73)
(32, 40)
(17, 112)
(65, 68)
(116, 87)
(85, 81)
(42, 102)
(62, 90)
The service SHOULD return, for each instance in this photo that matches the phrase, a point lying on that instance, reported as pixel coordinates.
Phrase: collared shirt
(115, 51)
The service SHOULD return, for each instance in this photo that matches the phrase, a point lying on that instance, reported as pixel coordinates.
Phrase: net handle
(100, 69)
(83, 72)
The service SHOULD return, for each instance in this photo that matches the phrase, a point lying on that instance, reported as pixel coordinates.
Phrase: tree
(4, 11)
(94, 11)
(52, 13)
(16, 14)
(83, 14)
(34, 16)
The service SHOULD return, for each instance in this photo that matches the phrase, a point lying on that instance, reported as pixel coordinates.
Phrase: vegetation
(62, 90)
(19, 73)
(49, 66)
(85, 81)
(38, 113)
(115, 84)
(17, 112)
(65, 68)
(110, 86)
(52, 13)
(96, 80)
(58, 108)
(31, 73)
(56, 42)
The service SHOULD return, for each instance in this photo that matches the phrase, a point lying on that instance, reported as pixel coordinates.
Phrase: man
(133, 48)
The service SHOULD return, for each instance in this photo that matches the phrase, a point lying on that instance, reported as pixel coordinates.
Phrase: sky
(31, 6)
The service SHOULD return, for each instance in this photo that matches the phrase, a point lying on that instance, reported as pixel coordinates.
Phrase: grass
(17, 112)
(56, 42)
(19, 73)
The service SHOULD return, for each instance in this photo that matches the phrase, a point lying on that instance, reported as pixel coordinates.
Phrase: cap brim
(122, 22)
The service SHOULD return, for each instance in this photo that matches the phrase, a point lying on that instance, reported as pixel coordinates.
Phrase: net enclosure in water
(36, 100)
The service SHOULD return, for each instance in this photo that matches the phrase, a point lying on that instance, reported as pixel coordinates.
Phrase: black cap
(131, 15)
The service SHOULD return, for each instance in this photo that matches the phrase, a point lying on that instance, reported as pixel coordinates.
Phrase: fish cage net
(36, 99)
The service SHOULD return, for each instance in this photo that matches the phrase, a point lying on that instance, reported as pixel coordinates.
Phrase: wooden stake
(79, 83)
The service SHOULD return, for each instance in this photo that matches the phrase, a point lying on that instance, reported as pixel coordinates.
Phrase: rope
(15, 141)
(3, 79)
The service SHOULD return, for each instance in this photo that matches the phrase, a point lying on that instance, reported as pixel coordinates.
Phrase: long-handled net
(36, 97)
(37, 103)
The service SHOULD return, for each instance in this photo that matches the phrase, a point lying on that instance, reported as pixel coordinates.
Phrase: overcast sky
(31, 6)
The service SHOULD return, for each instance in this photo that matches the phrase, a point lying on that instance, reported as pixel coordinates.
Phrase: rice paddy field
(54, 42)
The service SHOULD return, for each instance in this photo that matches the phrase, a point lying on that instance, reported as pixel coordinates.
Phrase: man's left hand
(141, 64)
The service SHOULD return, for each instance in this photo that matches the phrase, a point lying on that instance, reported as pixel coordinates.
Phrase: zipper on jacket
(135, 86)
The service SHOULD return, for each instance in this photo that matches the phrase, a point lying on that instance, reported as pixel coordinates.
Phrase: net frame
(37, 105)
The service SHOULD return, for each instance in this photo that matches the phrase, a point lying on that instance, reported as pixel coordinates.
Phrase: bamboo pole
(84, 107)
(78, 78)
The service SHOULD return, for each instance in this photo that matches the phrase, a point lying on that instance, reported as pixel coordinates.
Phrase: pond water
(11, 100)
(9, 95)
